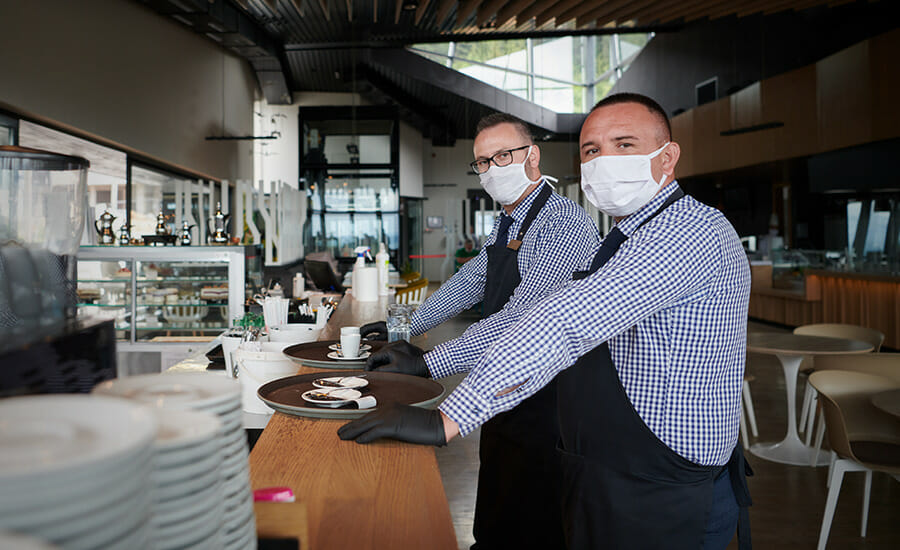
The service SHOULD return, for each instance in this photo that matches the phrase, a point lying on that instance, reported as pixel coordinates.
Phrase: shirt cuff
(467, 408)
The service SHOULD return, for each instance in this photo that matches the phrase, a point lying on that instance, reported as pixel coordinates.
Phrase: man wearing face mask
(536, 244)
(648, 351)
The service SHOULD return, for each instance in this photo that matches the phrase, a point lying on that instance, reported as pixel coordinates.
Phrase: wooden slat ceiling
(296, 22)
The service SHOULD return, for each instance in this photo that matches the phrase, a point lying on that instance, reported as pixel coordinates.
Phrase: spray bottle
(382, 261)
(362, 252)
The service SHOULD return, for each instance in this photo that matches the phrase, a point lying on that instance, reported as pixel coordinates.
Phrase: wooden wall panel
(791, 98)
(873, 304)
(883, 58)
(712, 153)
(683, 134)
(843, 86)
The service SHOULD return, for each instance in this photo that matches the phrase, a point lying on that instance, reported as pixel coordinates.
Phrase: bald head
(662, 129)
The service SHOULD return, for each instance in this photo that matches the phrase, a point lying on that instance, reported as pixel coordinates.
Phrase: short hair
(650, 104)
(495, 119)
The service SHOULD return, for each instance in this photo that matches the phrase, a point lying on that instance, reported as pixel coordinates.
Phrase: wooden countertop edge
(875, 277)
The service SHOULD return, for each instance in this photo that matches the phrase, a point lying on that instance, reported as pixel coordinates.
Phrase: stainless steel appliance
(43, 348)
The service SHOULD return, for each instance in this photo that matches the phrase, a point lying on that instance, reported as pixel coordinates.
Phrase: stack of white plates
(220, 396)
(75, 470)
(187, 503)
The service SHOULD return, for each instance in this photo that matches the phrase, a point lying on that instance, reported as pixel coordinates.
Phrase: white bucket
(294, 333)
(256, 368)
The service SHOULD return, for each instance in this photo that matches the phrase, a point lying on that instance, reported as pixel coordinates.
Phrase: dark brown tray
(315, 354)
(283, 394)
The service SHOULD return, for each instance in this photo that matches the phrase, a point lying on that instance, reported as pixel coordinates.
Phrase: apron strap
(536, 206)
(738, 472)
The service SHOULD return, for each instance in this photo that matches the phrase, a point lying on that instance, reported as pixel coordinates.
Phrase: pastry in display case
(159, 294)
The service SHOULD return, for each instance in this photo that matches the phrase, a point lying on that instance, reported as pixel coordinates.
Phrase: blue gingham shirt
(561, 238)
(671, 303)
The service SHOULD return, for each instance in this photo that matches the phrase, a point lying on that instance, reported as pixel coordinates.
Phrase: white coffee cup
(350, 342)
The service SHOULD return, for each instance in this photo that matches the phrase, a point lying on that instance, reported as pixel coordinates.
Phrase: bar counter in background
(383, 495)
(868, 300)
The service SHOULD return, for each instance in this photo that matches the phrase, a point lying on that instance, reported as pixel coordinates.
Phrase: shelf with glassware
(170, 292)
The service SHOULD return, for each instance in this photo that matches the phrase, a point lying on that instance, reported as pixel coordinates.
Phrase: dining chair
(830, 330)
(747, 412)
(865, 438)
(410, 276)
(880, 364)
(414, 293)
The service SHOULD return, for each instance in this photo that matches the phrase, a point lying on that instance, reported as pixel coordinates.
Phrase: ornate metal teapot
(125, 235)
(217, 234)
(185, 236)
(105, 229)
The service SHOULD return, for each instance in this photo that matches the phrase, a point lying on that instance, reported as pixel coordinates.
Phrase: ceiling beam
(555, 10)
(511, 11)
(380, 44)
(398, 7)
(531, 11)
(324, 5)
(578, 11)
(622, 14)
(601, 11)
(298, 5)
(486, 10)
(464, 9)
(420, 11)
(349, 10)
(443, 11)
(650, 13)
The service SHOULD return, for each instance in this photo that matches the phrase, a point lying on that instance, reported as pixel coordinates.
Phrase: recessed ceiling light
(410, 5)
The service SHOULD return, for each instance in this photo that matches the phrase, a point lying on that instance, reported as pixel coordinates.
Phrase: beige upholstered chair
(865, 438)
(830, 330)
(880, 364)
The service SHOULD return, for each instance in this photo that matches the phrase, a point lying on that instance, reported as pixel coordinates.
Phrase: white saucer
(184, 429)
(337, 347)
(344, 395)
(339, 357)
(68, 436)
(184, 390)
(351, 382)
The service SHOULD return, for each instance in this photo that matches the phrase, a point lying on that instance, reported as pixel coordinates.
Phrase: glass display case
(163, 294)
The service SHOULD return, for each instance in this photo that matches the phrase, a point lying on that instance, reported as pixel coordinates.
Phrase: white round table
(790, 349)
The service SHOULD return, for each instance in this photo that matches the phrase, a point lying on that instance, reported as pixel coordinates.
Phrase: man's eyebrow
(586, 144)
(622, 138)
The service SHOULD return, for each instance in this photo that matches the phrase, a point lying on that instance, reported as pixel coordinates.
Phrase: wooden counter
(383, 495)
(831, 297)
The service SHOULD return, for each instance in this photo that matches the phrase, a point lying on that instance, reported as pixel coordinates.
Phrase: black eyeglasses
(503, 158)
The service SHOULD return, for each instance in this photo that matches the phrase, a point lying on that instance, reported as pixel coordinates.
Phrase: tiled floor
(788, 500)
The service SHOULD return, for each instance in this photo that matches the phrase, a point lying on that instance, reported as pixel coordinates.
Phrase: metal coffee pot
(217, 234)
(161, 228)
(125, 235)
(105, 229)
(185, 237)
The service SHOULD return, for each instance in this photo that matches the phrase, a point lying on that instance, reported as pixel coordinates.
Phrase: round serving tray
(315, 354)
(284, 394)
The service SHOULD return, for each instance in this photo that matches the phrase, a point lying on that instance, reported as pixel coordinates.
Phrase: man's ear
(670, 156)
(534, 159)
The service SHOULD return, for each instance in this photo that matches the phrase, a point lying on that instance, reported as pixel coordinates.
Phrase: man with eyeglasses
(536, 244)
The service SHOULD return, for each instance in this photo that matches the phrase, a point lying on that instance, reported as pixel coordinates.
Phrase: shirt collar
(519, 212)
(633, 221)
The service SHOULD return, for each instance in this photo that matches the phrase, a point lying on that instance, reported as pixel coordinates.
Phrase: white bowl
(295, 333)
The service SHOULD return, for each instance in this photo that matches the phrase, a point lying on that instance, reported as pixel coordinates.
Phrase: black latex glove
(401, 357)
(374, 331)
(395, 421)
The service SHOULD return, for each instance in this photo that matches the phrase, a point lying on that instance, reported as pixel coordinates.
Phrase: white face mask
(619, 185)
(505, 184)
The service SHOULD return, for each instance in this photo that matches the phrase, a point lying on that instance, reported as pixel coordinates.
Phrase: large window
(566, 75)
(348, 168)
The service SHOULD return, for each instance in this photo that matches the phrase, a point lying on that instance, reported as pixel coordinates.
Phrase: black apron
(623, 488)
(518, 500)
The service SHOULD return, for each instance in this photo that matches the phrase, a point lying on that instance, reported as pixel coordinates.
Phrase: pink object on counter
(273, 494)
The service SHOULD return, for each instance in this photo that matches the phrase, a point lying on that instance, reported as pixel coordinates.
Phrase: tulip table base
(790, 450)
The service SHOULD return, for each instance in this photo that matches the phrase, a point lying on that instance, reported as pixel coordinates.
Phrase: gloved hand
(401, 357)
(395, 421)
(374, 331)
